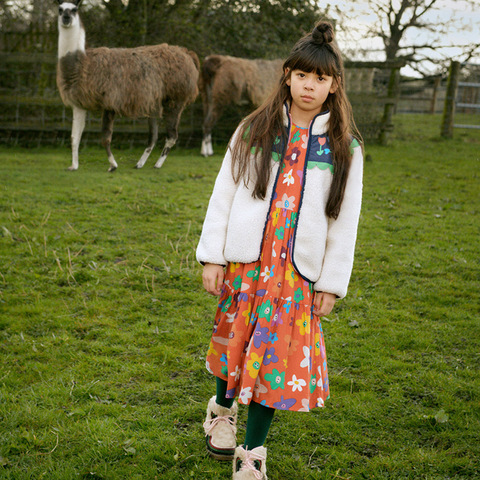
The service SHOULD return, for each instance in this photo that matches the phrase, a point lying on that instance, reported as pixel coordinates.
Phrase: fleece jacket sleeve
(211, 246)
(342, 234)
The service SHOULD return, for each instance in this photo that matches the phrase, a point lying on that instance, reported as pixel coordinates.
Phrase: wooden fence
(31, 111)
(32, 39)
(424, 95)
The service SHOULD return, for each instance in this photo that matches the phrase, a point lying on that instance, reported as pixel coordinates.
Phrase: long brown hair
(252, 153)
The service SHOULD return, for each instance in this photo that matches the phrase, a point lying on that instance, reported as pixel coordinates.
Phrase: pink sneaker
(220, 430)
(250, 464)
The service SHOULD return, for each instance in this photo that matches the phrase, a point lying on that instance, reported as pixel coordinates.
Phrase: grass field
(104, 325)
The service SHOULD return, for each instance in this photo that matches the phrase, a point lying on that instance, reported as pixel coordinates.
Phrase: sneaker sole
(219, 454)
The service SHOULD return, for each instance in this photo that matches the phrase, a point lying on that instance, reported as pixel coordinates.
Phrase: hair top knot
(323, 33)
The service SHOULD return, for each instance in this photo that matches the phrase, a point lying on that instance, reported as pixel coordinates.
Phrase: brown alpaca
(132, 82)
(226, 80)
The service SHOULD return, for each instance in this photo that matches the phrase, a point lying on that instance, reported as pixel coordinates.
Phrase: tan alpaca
(152, 82)
(229, 80)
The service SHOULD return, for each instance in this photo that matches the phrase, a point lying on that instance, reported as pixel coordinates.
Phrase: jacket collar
(319, 125)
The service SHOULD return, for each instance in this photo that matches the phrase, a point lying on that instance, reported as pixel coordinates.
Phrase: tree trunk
(449, 109)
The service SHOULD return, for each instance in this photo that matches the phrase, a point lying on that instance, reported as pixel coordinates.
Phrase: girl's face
(309, 92)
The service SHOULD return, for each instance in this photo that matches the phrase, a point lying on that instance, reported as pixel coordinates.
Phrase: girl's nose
(308, 84)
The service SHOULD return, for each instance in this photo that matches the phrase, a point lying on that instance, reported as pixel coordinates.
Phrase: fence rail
(466, 125)
(468, 105)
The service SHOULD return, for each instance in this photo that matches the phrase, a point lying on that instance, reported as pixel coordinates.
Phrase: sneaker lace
(209, 425)
(249, 465)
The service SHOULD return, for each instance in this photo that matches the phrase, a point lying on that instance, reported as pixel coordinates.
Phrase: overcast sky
(463, 22)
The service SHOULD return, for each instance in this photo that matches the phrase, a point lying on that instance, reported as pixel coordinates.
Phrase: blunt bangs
(310, 58)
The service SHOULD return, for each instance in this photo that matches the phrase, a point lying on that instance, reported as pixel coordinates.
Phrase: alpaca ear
(78, 2)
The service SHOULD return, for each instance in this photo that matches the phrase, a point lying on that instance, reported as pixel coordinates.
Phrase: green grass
(104, 325)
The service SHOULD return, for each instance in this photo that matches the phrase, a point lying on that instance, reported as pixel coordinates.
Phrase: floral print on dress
(265, 342)
(288, 178)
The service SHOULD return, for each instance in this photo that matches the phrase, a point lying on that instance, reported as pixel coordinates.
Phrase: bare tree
(420, 30)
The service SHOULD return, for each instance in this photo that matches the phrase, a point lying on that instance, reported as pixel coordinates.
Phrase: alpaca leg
(211, 116)
(207, 148)
(152, 140)
(169, 144)
(79, 116)
(207, 129)
(108, 117)
(172, 119)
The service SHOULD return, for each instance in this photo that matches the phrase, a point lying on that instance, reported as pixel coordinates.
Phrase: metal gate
(467, 99)
(463, 97)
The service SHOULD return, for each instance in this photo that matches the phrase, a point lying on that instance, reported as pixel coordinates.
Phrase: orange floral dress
(265, 342)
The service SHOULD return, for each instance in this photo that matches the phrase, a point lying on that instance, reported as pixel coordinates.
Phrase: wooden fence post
(436, 86)
(449, 109)
(390, 105)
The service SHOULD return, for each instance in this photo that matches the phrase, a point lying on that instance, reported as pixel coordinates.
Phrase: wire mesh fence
(32, 113)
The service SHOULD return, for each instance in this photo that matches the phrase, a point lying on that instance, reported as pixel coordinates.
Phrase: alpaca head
(68, 13)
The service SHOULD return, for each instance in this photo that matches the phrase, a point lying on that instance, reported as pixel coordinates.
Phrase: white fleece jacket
(323, 248)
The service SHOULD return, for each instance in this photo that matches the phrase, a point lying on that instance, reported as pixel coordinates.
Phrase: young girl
(277, 246)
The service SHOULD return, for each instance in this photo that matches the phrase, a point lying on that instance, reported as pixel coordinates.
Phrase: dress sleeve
(211, 246)
(342, 233)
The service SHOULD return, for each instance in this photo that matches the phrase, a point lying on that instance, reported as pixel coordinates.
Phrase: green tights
(259, 417)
